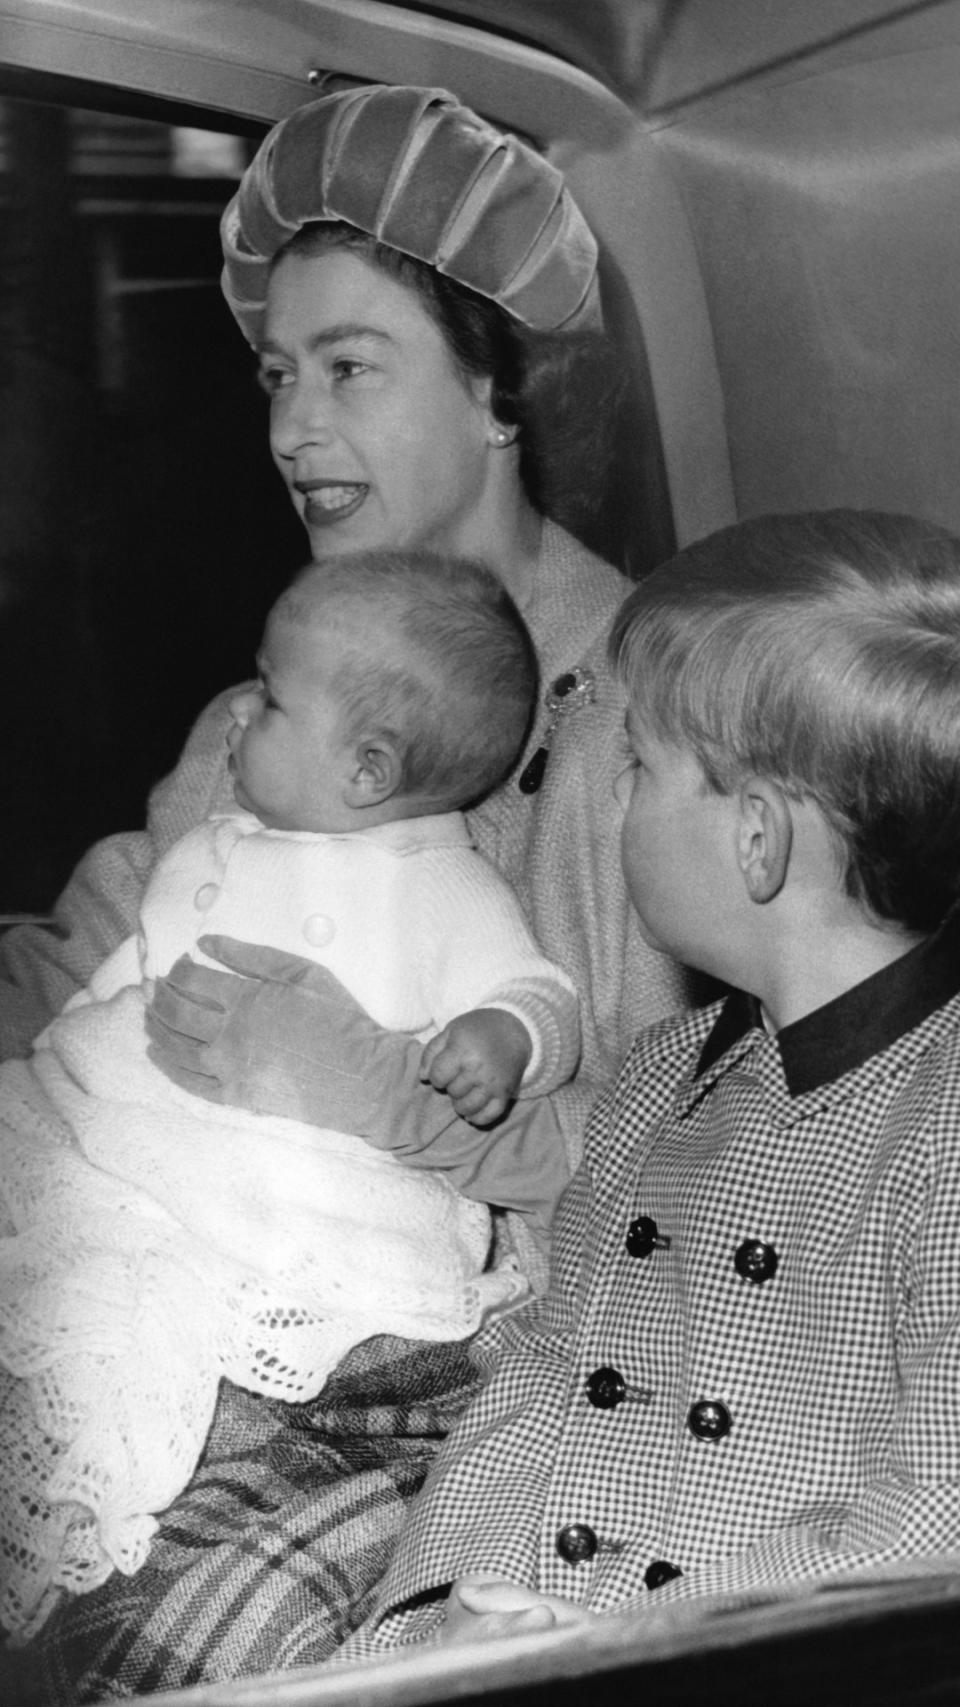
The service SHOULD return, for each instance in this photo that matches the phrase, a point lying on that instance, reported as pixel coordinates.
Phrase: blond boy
(746, 1372)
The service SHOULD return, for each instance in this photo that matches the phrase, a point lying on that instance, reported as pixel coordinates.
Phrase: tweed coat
(748, 1368)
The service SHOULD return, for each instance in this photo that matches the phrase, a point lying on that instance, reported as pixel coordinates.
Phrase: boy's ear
(764, 837)
(375, 771)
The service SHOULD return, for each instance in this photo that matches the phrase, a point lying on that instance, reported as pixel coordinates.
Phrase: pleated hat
(419, 171)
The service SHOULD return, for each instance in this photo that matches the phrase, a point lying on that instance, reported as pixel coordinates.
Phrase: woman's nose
(300, 416)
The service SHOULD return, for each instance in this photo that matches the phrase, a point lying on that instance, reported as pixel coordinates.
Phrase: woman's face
(379, 439)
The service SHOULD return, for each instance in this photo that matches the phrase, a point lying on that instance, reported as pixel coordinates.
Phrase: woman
(406, 274)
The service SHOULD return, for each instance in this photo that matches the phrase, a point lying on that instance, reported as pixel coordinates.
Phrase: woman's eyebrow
(329, 335)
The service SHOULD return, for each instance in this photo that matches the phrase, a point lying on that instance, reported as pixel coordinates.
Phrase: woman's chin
(332, 533)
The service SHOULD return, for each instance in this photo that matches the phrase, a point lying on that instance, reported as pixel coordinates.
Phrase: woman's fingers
(270, 965)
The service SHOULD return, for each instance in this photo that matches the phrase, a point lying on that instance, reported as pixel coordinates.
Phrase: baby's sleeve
(478, 952)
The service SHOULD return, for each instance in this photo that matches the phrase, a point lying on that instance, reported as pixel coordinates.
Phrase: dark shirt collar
(843, 1034)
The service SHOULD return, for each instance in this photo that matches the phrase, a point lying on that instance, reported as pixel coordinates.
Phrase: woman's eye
(273, 379)
(347, 367)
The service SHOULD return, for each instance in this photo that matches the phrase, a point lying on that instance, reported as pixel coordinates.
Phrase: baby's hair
(823, 652)
(445, 665)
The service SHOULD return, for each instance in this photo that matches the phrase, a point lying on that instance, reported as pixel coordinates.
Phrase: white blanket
(153, 1243)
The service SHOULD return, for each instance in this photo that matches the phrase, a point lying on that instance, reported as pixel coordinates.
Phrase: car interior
(775, 188)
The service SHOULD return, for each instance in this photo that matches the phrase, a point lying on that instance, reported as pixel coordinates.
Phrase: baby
(155, 1242)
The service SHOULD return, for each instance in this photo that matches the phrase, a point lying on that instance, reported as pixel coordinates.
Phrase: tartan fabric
(272, 1554)
(840, 1371)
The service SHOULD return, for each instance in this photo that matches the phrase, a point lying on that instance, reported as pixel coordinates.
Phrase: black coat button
(708, 1419)
(644, 1237)
(753, 1260)
(660, 1572)
(576, 1543)
(605, 1389)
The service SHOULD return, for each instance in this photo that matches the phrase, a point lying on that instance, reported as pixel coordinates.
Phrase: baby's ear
(375, 771)
(764, 837)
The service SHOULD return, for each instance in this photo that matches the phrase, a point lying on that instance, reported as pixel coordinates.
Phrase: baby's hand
(479, 1059)
(482, 1607)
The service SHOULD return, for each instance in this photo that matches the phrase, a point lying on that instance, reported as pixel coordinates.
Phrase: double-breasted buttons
(755, 1261)
(319, 930)
(644, 1237)
(606, 1389)
(660, 1571)
(206, 896)
(577, 1543)
(709, 1419)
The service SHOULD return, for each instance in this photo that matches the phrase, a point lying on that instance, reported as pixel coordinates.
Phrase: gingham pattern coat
(833, 1153)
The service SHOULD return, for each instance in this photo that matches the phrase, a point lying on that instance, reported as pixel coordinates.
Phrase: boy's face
(289, 755)
(677, 849)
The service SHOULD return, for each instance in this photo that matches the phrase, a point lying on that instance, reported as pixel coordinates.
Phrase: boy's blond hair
(821, 651)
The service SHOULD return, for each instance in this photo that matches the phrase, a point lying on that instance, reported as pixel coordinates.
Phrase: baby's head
(405, 679)
(822, 652)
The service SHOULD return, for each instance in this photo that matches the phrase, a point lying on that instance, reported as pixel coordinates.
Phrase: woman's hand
(278, 1035)
(484, 1607)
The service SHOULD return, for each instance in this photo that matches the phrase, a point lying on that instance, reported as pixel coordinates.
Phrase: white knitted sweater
(557, 847)
(157, 1242)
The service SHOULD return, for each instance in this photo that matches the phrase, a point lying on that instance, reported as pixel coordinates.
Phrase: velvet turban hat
(423, 174)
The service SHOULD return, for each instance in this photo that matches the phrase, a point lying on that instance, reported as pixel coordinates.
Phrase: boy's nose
(242, 705)
(623, 788)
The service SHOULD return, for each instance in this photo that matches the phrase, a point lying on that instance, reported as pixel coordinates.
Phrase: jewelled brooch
(571, 692)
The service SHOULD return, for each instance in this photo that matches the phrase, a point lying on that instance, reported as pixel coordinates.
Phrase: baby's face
(289, 754)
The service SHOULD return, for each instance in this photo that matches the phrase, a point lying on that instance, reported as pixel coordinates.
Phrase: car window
(143, 533)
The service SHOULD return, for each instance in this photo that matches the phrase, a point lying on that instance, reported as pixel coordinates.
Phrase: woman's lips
(327, 502)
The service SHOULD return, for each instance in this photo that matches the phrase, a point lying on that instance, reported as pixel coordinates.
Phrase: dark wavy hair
(823, 651)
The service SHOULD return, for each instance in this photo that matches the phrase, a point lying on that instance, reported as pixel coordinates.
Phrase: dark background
(143, 530)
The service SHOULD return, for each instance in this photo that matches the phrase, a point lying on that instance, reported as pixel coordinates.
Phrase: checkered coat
(748, 1368)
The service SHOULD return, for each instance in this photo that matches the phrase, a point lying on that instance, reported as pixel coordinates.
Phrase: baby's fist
(479, 1059)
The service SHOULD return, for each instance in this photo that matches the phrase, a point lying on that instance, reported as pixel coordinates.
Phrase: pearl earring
(504, 436)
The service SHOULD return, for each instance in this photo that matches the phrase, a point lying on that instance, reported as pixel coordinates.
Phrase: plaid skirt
(272, 1554)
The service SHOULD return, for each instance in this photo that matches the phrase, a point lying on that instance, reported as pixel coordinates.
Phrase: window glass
(143, 531)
